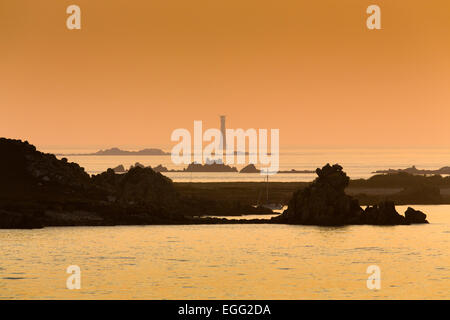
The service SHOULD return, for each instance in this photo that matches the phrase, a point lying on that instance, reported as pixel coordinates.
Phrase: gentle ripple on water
(229, 261)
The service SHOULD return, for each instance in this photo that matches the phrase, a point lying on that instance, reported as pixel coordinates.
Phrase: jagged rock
(382, 214)
(32, 183)
(333, 176)
(160, 168)
(213, 167)
(119, 169)
(145, 185)
(324, 201)
(415, 216)
(136, 165)
(250, 169)
(22, 165)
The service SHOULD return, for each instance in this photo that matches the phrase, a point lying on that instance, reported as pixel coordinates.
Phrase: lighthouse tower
(224, 136)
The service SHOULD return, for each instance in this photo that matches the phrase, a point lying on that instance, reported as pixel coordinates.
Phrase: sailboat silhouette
(271, 206)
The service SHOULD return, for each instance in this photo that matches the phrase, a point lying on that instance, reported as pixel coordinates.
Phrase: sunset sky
(139, 69)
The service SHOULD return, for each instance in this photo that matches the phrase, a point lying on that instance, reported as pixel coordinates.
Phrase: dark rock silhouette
(21, 165)
(211, 167)
(15, 220)
(415, 216)
(324, 202)
(250, 169)
(160, 168)
(37, 189)
(137, 165)
(138, 186)
(382, 214)
(119, 169)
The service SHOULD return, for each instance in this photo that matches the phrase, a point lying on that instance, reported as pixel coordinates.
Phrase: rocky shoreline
(39, 190)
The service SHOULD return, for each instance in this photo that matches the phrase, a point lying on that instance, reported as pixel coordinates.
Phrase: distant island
(252, 169)
(143, 152)
(414, 170)
(120, 152)
(209, 167)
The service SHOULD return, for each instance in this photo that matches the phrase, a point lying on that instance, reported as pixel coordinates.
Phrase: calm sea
(229, 261)
(357, 162)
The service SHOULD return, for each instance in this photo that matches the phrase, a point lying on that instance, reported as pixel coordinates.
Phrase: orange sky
(139, 69)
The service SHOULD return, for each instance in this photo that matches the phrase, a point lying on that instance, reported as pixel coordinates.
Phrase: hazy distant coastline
(120, 152)
(144, 152)
(414, 170)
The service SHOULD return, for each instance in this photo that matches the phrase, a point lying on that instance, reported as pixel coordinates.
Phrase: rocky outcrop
(324, 202)
(250, 169)
(23, 167)
(137, 165)
(37, 189)
(160, 168)
(138, 185)
(415, 216)
(382, 214)
(119, 169)
(212, 167)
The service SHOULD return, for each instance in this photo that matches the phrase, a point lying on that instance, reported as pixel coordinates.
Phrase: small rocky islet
(38, 190)
(325, 203)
